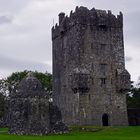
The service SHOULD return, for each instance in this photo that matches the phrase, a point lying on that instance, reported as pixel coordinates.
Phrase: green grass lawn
(105, 133)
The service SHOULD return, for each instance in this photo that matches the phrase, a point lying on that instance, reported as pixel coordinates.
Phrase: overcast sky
(25, 32)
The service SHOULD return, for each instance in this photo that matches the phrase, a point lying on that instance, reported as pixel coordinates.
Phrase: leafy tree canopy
(133, 99)
(44, 78)
(1, 105)
(11, 82)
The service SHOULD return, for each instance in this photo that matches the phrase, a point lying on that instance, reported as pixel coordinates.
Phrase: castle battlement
(84, 16)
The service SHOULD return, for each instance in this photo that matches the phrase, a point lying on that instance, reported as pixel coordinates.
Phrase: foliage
(45, 79)
(133, 101)
(107, 133)
(1, 105)
(4, 87)
(3, 92)
(10, 84)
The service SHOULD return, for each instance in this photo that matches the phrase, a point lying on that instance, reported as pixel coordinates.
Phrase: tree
(44, 78)
(10, 84)
(2, 103)
(133, 98)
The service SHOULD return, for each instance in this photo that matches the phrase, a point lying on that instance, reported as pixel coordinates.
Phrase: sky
(25, 32)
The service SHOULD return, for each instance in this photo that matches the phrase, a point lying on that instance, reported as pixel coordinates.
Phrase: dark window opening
(111, 81)
(26, 114)
(105, 120)
(111, 67)
(91, 46)
(92, 79)
(102, 49)
(111, 48)
(94, 48)
(103, 68)
(62, 33)
(91, 27)
(89, 97)
(102, 28)
(92, 67)
(83, 50)
(103, 81)
(64, 86)
(116, 73)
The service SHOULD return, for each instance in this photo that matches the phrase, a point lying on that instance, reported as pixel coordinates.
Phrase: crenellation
(71, 12)
(61, 17)
(84, 16)
(109, 12)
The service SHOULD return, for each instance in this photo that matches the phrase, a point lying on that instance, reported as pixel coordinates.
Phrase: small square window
(102, 27)
(92, 66)
(92, 80)
(103, 68)
(102, 49)
(91, 45)
(103, 81)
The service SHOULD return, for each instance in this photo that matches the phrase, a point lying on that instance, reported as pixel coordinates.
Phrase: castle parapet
(84, 16)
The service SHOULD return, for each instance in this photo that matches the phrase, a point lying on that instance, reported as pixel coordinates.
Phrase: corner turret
(61, 17)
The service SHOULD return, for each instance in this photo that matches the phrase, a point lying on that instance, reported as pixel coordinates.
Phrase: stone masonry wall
(90, 40)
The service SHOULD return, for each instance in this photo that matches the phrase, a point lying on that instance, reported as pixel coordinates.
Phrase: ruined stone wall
(31, 112)
(29, 116)
(90, 40)
(29, 108)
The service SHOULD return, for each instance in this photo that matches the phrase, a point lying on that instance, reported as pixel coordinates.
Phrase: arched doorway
(105, 120)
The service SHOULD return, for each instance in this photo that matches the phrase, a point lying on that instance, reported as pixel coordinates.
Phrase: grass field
(105, 133)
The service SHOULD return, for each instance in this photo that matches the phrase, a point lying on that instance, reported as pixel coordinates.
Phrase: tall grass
(103, 133)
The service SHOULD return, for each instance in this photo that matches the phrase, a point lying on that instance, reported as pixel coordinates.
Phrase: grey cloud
(128, 58)
(132, 30)
(12, 64)
(5, 19)
(12, 7)
(123, 5)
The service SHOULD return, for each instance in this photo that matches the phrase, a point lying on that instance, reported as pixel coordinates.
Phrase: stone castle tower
(89, 76)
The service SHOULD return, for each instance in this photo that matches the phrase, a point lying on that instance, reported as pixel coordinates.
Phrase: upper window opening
(102, 27)
(103, 81)
(103, 68)
(103, 49)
